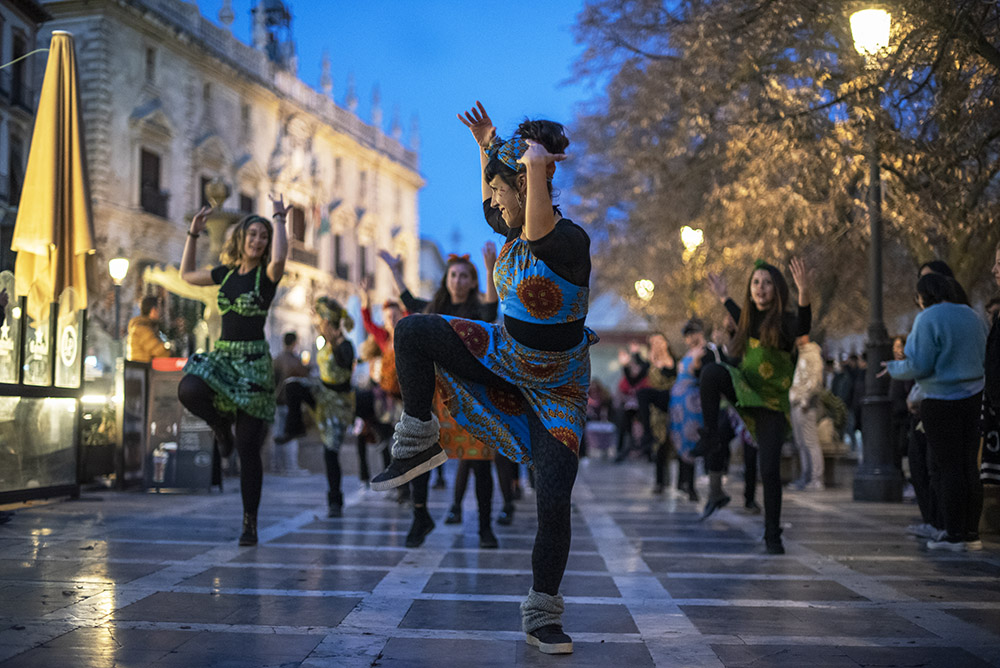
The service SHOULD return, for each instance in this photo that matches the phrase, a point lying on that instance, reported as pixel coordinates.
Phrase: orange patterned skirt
(456, 441)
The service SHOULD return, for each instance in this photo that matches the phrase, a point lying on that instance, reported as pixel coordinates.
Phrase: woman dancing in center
(520, 385)
(758, 387)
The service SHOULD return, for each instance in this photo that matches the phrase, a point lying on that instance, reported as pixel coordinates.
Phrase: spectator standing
(807, 384)
(144, 341)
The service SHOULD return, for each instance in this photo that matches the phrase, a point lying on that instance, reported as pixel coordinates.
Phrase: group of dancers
(470, 387)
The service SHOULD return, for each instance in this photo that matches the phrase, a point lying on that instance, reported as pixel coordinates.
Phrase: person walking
(758, 387)
(520, 385)
(458, 296)
(233, 385)
(945, 354)
(803, 396)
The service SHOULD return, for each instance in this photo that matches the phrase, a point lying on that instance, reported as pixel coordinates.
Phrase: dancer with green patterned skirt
(330, 396)
(232, 387)
(758, 387)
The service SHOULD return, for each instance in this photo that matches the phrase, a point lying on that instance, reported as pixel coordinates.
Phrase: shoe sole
(557, 648)
(431, 464)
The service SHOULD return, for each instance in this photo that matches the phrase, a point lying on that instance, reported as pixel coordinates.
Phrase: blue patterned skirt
(553, 385)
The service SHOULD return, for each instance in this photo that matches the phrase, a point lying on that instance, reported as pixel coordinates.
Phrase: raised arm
(189, 271)
(279, 244)
(479, 123)
(539, 218)
(490, 260)
(395, 264)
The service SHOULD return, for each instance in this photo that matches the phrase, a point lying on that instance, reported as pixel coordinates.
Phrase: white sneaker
(946, 545)
(815, 486)
(973, 545)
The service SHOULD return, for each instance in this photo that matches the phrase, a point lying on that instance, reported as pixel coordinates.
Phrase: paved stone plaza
(133, 579)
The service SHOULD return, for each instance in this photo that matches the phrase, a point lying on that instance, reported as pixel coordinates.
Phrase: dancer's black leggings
(423, 341)
(198, 397)
(483, 470)
(647, 397)
(771, 428)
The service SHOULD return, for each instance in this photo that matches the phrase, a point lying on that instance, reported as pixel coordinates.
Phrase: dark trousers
(482, 468)
(425, 341)
(506, 475)
(718, 461)
(716, 383)
(196, 396)
(647, 397)
(920, 477)
(952, 429)
(375, 432)
(660, 462)
(297, 394)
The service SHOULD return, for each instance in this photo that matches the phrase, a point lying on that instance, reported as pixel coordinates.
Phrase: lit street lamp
(644, 289)
(118, 268)
(877, 478)
(692, 238)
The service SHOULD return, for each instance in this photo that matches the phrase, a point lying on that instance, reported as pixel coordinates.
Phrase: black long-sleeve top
(566, 251)
(483, 311)
(793, 325)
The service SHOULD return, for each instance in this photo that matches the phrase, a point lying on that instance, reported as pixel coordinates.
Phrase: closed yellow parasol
(53, 234)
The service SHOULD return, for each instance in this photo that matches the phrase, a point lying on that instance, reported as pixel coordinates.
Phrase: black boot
(454, 514)
(422, 525)
(487, 539)
(717, 498)
(506, 516)
(249, 535)
(335, 504)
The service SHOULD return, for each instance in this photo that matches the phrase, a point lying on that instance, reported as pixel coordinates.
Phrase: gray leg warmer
(540, 610)
(414, 436)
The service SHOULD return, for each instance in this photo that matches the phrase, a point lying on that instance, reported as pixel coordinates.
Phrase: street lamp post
(692, 238)
(118, 268)
(877, 477)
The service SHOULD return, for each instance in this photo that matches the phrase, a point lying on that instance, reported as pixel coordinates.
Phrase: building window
(362, 260)
(15, 170)
(245, 120)
(202, 194)
(19, 93)
(150, 65)
(340, 267)
(337, 172)
(362, 187)
(151, 198)
(247, 204)
(298, 224)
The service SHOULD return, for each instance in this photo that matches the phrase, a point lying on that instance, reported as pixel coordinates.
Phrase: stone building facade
(173, 101)
(20, 83)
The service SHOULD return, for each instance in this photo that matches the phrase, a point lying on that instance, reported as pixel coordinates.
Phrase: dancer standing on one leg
(458, 295)
(233, 385)
(520, 385)
(764, 340)
(330, 396)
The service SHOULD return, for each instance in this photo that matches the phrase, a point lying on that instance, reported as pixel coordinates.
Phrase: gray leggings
(423, 341)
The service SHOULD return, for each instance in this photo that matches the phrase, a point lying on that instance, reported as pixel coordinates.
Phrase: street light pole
(877, 477)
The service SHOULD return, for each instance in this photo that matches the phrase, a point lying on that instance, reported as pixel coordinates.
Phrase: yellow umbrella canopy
(54, 234)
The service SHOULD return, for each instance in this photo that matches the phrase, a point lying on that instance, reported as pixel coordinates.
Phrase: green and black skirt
(241, 374)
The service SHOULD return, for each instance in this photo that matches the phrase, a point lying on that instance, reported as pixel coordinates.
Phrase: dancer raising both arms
(764, 340)
(520, 386)
(457, 295)
(233, 385)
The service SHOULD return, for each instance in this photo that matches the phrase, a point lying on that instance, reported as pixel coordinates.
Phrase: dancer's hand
(200, 220)
(364, 291)
(717, 284)
(394, 262)
(539, 156)
(884, 371)
(479, 123)
(278, 205)
(489, 255)
(802, 278)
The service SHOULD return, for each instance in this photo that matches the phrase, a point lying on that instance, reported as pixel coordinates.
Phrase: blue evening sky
(434, 58)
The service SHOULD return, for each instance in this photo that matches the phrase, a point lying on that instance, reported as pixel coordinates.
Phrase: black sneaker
(751, 508)
(454, 515)
(712, 505)
(402, 471)
(774, 546)
(487, 539)
(422, 525)
(550, 639)
(506, 516)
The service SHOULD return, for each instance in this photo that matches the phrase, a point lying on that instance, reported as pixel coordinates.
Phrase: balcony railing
(304, 255)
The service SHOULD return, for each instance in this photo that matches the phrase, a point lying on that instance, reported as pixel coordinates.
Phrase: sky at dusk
(433, 59)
